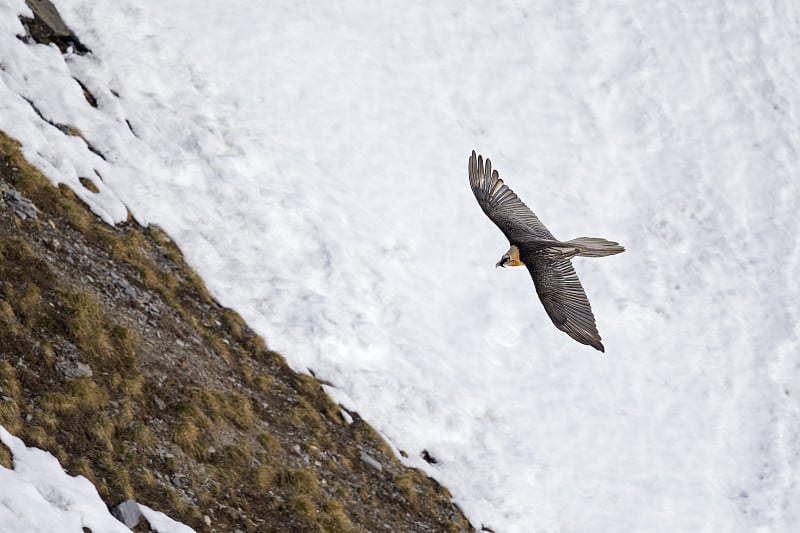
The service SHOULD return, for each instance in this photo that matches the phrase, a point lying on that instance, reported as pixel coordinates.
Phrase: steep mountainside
(114, 358)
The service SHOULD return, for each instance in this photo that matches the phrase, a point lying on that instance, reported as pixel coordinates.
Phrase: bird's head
(510, 258)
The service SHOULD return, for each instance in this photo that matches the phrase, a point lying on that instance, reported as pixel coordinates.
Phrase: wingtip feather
(599, 347)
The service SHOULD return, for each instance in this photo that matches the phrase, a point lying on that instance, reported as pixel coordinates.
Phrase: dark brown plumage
(548, 260)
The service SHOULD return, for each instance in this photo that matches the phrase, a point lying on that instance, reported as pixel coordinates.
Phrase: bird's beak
(499, 264)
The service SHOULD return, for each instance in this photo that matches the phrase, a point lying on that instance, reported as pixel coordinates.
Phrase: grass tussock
(85, 314)
(234, 323)
(299, 480)
(335, 519)
(406, 486)
(303, 414)
(238, 409)
(270, 444)
(187, 431)
(261, 478)
(8, 381)
(78, 396)
(310, 389)
(264, 382)
(10, 416)
(303, 508)
(5, 457)
(7, 313)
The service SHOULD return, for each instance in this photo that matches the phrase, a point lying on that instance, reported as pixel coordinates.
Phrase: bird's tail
(595, 247)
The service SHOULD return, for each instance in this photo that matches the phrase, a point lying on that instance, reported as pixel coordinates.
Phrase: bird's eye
(506, 259)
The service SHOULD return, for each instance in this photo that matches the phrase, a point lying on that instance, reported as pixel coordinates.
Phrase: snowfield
(311, 162)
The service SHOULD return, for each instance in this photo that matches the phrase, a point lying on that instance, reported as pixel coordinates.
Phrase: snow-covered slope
(310, 159)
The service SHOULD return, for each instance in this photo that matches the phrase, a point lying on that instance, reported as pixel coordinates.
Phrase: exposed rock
(74, 369)
(21, 206)
(159, 403)
(47, 26)
(45, 10)
(127, 512)
(371, 461)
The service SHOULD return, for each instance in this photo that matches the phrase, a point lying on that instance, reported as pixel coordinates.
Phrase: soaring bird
(548, 260)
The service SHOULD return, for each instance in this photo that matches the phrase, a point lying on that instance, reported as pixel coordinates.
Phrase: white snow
(310, 160)
(160, 522)
(37, 496)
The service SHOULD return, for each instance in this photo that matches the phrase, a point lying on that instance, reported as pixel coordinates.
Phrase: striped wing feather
(563, 298)
(502, 205)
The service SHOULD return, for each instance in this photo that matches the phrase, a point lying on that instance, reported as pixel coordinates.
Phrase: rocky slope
(114, 358)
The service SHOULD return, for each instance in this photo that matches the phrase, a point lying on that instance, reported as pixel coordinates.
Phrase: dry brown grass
(186, 433)
(270, 444)
(406, 486)
(5, 457)
(264, 382)
(335, 519)
(261, 478)
(85, 315)
(10, 415)
(238, 409)
(300, 480)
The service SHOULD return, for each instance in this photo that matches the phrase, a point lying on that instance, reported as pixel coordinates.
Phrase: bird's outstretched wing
(564, 300)
(502, 205)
